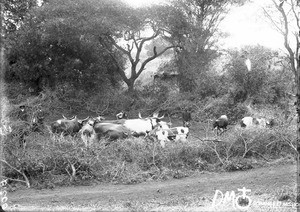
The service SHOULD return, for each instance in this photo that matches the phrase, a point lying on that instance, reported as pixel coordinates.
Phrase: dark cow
(220, 124)
(67, 126)
(111, 131)
(122, 115)
(186, 118)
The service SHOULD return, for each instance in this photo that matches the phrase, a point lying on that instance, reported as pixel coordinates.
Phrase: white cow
(254, 122)
(178, 134)
(142, 126)
(87, 132)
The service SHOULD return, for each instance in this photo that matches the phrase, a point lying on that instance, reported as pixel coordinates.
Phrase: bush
(215, 107)
(50, 160)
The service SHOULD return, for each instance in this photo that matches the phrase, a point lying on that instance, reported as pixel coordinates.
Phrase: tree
(193, 24)
(142, 28)
(288, 24)
(57, 44)
(263, 83)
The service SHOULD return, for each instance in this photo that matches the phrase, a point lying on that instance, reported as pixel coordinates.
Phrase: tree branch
(155, 55)
(120, 48)
(285, 35)
(19, 171)
(140, 46)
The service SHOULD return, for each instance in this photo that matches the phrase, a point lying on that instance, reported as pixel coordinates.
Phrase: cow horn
(140, 116)
(160, 117)
(73, 117)
(83, 120)
(86, 118)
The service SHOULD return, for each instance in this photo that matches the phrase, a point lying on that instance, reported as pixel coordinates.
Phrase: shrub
(49, 160)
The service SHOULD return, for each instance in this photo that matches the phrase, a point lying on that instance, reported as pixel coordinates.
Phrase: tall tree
(288, 26)
(58, 43)
(194, 25)
(141, 27)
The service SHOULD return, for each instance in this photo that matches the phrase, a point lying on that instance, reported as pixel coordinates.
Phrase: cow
(67, 126)
(87, 132)
(112, 131)
(254, 122)
(142, 126)
(177, 134)
(186, 118)
(122, 115)
(220, 124)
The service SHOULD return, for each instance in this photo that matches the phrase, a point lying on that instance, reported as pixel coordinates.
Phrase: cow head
(121, 115)
(155, 120)
(23, 113)
(82, 121)
(186, 124)
(99, 119)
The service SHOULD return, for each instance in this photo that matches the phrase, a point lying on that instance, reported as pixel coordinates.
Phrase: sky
(246, 25)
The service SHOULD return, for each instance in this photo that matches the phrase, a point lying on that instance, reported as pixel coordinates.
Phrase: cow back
(140, 126)
(66, 126)
(111, 130)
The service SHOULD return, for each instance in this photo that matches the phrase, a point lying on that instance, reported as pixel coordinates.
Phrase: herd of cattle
(92, 129)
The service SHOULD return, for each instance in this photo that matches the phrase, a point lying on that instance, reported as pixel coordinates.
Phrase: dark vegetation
(68, 51)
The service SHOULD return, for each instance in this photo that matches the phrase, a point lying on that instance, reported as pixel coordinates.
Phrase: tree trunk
(298, 131)
(130, 85)
(2, 88)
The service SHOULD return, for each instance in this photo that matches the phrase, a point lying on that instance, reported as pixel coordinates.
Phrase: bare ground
(193, 193)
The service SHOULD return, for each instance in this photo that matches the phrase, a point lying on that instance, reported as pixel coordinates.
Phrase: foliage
(194, 26)
(15, 13)
(265, 82)
(54, 46)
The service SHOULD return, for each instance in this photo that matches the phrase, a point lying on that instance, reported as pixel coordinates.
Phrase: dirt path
(194, 192)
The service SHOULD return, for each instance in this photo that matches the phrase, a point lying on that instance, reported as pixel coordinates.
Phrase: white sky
(246, 25)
